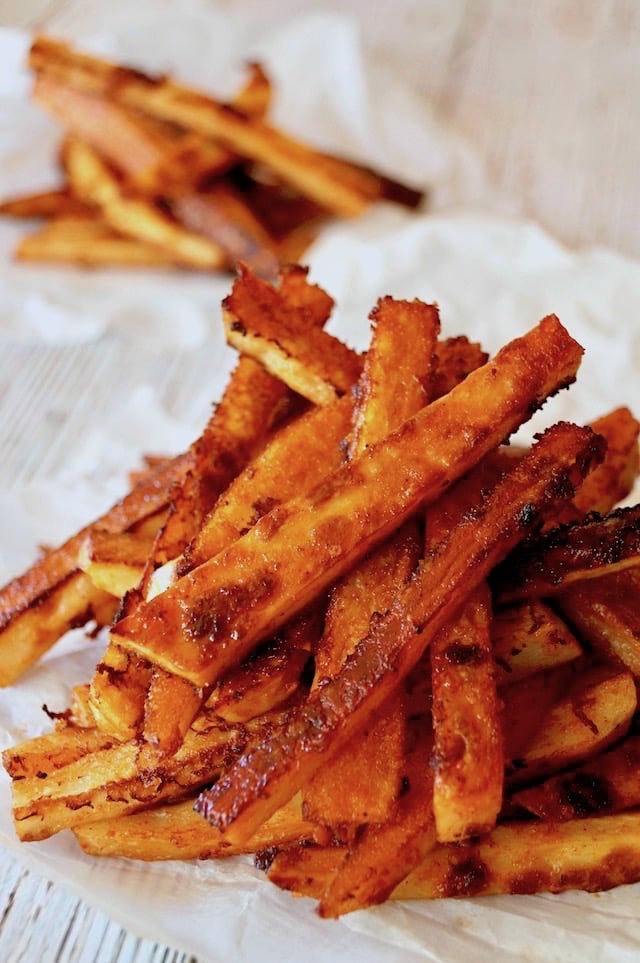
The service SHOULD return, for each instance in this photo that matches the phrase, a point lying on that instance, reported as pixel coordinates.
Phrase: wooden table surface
(547, 93)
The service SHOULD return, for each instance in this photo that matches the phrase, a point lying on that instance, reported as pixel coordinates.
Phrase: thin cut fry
(394, 645)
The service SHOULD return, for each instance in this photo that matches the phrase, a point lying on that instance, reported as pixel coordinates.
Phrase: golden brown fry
(608, 783)
(177, 832)
(384, 854)
(223, 214)
(135, 216)
(36, 758)
(336, 710)
(121, 137)
(91, 243)
(528, 638)
(47, 204)
(468, 756)
(116, 779)
(604, 611)
(114, 561)
(590, 854)
(615, 477)
(594, 713)
(260, 323)
(242, 594)
(547, 564)
(394, 385)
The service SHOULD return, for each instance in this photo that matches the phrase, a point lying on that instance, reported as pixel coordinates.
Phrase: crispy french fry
(224, 215)
(468, 757)
(114, 561)
(547, 564)
(615, 477)
(36, 758)
(335, 184)
(589, 854)
(384, 854)
(243, 593)
(394, 645)
(528, 638)
(392, 388)
(177, 832)
(115, 780)
(259, 322)
(608, 783)
(595, 712)
(605, 613)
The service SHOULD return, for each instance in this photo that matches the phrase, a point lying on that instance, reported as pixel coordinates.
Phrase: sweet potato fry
(245, 595)
(605, 613)
(36, 758)
(336, 709)
(114, 561)
(335, 184)
(615, 477)
(547, 564)
(393, 386)
(590, 854)
(224, 215)
(177, 832)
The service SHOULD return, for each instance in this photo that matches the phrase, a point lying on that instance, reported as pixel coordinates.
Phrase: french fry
(468, 757)
(607, 783)
(222, 214)
(549, 563)
(530, 637)
(177, 832)
(48, 204)
(38, 757)
(392, 388)
(384, 854)
(259, 323)
(518, 858)
(116, 780)
(114, 561)
(136, 217)
(89, 242)
(596, 712)
(605, 613)
(395, 644)
(615, 477)
(240, 592)
(590, 854)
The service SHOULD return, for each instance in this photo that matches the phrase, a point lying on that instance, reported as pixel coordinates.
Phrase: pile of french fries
(353, 631)
(159, 174)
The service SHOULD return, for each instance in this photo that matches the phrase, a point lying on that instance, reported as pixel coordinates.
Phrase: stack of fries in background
(158, 174)
(353, 631)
